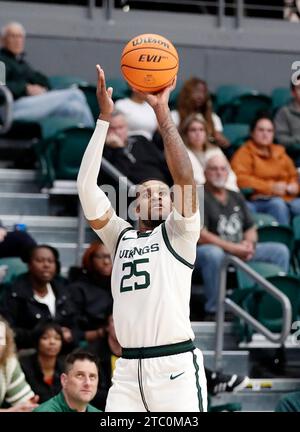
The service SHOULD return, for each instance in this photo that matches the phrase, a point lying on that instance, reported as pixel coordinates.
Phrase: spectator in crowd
(287, 125)
(228, 228)
(194, 97)
(33, 97)
(15, 243)
(195, 136)
(43, 368)
(91, 293)
(136, 157)
(291, 11)
(139, 115)
(79, 385)
(14, 390)
(289, 403)
(266, 168)
(38, 296)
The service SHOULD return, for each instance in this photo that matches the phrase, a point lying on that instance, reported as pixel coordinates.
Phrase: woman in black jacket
(39, 296)
(43, 368)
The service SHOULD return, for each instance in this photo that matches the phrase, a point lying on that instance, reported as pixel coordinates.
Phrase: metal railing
(7, 109)
(238, 311)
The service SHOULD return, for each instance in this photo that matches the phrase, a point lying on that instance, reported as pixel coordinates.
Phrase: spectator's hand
(279, 188)
(220, 140)
(104, 96)
(3, 234)
(114, 141)
(35, 89)
(243, 250)
(67, 334)
(92, 335)
(161, 98)
(25, 406)
(292, 188)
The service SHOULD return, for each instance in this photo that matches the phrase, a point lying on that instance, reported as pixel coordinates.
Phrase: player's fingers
(110, 91)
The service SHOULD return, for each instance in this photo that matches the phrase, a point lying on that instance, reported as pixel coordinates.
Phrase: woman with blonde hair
(194, 132)
(14, 390)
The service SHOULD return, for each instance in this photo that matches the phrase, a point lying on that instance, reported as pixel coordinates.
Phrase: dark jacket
(35, 378)
(93, 300)
(24, 313)
(19, 73)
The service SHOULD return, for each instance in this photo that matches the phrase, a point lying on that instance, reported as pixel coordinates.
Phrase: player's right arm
(96, 206)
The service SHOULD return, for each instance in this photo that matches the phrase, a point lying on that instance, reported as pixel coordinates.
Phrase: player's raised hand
(161, 98)
(104, 95)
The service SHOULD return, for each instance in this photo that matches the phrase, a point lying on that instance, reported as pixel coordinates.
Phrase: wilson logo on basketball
(151, 58)
(150, 40)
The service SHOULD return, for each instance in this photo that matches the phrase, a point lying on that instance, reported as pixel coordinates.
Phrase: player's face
(50, 343)
(263, 133)
(118, 126)
(102, 261)
(14, 40)
(216, 172)
(81, 381)
(154, 201)
(196, 135)
(42, 265)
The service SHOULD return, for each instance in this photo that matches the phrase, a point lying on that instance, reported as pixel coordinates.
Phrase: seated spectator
(194, 98)
(79, 385)
(136, 157)
(15, 243)
(14, 390)
(195, 136)
(91, 293)
(269, 171)
(291, 11)
(287, 125)
(139, 115)
(289, 403)
(33, 98)
(43, 368)
(39, 296)
(228, 228)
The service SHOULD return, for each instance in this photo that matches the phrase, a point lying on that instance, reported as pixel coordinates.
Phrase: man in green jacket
(79, 385)
(33, 97)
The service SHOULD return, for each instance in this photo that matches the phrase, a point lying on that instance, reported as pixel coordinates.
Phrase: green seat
(120, 86)
(226, 93)
(59, 82)
(91, 98)
(280, 96)
(60, 157)
(268, 310)
(174, 96)
(263, 219)
(296, 231)
(245, 108)
(15, 267)
(236, 133)
(277, 233)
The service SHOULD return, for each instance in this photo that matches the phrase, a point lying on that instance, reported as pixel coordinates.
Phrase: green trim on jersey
(173, 252)
(197, 382)
(158, 351)
(121, 235)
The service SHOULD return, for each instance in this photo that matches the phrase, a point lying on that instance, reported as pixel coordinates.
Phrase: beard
(151, 224)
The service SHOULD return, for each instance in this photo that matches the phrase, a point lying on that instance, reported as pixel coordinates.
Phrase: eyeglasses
(102, 256)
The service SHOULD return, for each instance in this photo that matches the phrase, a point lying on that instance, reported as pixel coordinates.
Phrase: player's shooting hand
(161, 98)
(104, 96)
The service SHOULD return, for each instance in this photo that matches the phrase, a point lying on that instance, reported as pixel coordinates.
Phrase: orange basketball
(149, 63)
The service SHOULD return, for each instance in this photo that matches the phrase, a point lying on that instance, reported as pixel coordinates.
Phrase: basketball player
(160, 369)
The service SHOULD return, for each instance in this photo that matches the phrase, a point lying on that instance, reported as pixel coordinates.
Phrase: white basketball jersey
(151, 287)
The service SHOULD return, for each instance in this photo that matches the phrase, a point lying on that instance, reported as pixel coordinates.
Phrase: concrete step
(260, 341)
(260, 395)
(17, 180)
(205, 333)
(17, 203)
(234, 362)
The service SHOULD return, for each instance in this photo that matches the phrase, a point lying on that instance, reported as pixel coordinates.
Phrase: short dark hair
(79, 354)
(260, 116)
(45, 246)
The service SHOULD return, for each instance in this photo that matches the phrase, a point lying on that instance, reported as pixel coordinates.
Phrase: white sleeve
(217, 122)
(183, 234)
(110, 233)
(93, 200)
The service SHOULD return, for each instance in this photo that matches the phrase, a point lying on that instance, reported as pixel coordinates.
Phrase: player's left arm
(179, 164)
